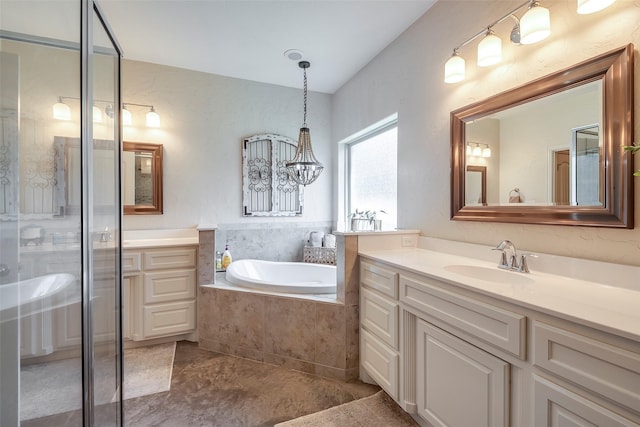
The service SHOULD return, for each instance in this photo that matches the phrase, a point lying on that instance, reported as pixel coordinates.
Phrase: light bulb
(97, 115)
(153, 119)
(535, 24)
(477, 151)
(489, 50)
(591, 6)
(61, 111)
(454, 69)
(486, 152)
(126, 117)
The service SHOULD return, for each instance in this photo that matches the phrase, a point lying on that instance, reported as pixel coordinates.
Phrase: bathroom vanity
(458, 342)
(159, 284)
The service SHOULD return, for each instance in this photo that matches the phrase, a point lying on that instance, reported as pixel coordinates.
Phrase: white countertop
(602, 306)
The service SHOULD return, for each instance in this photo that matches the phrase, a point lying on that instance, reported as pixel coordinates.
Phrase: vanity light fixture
(535, 24)
(489, 49)
(153, 119)
(591, 6)
(532, 27)
(304, 168)
(61, 111)
(454, 69)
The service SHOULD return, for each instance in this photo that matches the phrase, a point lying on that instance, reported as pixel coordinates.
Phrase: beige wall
(204, 118)
(407, 77)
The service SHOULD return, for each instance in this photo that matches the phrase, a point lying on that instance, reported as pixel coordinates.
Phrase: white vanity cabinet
(453, 357)
(160, 286)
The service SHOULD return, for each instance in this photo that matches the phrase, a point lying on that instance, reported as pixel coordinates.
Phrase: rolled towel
(329, 241)
(315, 239)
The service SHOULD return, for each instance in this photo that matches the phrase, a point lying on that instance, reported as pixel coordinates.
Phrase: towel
(514, 196)
(315, 239)
(329, 241)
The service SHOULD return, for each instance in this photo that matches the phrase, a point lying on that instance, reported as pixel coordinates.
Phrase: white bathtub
(289, 277)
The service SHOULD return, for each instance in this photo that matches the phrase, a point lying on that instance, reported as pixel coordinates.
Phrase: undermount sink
(494, 275)
(31, 290)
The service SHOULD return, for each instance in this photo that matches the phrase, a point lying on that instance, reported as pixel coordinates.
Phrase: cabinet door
(381, 362)
(459, 385)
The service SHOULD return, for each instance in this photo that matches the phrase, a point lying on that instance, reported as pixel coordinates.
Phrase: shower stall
(60, 215)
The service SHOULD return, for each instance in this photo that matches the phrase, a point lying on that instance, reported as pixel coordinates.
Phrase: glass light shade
(126, 117)
(97, 115)
(591, 6)
(486, 152)
(61, 111)
(304, 168)
(454, 69)
(468, 150)
(489, 50)
(477, 151)
(153, 119)
(535, 25)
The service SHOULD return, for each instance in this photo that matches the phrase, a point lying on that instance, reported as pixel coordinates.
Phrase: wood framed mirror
(142, 178)
(523, 127)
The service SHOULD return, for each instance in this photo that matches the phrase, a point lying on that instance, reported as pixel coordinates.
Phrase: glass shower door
(60, 345)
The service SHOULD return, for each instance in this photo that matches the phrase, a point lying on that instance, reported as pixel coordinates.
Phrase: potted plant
(634, 149)
(365, 220)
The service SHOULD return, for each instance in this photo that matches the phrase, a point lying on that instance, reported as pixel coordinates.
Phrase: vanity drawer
(379, 316)
(556, 406)
(131, 262)
(380, 362)
(496, 326)
(610, 371)
(379, 278)
(169, 318)
(169, 258)
(163, 286)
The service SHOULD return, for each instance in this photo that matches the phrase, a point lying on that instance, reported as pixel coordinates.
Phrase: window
(371, 172)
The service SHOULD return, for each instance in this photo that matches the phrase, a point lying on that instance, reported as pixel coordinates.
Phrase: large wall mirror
(141, 178)
(551, 151)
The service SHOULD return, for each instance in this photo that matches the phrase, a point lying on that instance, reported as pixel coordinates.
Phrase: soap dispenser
(226, 257)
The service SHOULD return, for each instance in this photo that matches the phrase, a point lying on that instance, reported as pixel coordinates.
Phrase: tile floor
(212, 389)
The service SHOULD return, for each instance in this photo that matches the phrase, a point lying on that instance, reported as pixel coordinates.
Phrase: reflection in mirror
(475, 188)
(524, 138)
(142, 178)
(559, 140)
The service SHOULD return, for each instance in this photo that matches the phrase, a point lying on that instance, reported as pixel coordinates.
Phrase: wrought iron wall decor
(268, 190)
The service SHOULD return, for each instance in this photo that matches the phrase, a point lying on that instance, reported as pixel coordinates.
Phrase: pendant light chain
(304, 121)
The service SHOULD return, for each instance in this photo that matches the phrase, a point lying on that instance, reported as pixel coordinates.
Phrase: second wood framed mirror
(142, 178)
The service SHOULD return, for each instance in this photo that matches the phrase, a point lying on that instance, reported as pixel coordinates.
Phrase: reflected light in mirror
(97, 115)
(61, 111)
(489, 50)
(454, 69)
(126, 117)
(486, 152)
(591, 6)
(535, 25)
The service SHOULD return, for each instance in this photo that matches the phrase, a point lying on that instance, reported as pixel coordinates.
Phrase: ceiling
(247, 39)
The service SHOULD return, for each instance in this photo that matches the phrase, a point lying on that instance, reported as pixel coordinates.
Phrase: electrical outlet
(409, 241)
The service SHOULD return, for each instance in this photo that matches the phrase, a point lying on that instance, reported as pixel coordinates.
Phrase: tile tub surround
(310, 334)
(269, 241)
(315, 337)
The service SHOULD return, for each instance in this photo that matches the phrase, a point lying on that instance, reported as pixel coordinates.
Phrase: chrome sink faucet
(509, 259)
